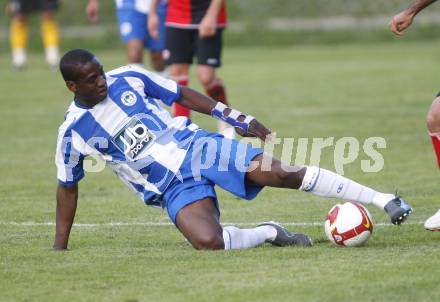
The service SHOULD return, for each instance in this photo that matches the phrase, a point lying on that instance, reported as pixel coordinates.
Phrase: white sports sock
(52, 56)
(325, 183)
(19, 57)
(236, 238)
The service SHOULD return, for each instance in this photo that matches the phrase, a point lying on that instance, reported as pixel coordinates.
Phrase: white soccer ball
(348, 224)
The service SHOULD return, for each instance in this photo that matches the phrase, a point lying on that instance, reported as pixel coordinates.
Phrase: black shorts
(27, 6)
(183, 44)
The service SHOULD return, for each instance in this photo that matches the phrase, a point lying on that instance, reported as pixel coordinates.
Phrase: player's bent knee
(433, 116)
(209, 242)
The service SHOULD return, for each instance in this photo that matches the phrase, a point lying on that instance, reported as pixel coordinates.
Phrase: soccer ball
(348, 224)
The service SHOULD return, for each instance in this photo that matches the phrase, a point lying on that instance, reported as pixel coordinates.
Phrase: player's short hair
(72, 61)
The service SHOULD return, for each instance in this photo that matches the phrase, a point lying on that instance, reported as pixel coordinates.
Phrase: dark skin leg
(199, 222)
(276, 176)
(135, 51)
(157, 61)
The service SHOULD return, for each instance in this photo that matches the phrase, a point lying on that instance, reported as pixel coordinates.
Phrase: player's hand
(255, 130)
(400, 22)
(208, 27)
(92, 10)
(153, 25)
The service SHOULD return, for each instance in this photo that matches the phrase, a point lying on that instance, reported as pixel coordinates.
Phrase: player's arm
(169, 92)
(153, 20)
(245, 125)
(208, 25)
(418, 5)
(67, 198)
(92, 10)
(403, 20)
(70, 170)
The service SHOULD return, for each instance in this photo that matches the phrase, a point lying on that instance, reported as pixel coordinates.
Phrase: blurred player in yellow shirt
(19, 30)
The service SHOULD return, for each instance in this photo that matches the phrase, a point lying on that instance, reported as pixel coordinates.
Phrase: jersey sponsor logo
(128, 98)
(132, 138)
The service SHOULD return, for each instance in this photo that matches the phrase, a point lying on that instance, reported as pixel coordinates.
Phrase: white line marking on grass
(155, 224)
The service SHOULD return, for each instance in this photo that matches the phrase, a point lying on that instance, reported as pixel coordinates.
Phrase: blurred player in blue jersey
(172, 163)
(133, 19)
(398, 25)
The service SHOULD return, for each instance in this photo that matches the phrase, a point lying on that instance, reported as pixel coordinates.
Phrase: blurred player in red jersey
(398, 24)
(194, 28)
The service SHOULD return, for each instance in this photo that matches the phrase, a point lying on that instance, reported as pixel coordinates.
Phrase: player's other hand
(208, 27)
(400, 22)
(256, 129)
(92, 11)
(153, 25)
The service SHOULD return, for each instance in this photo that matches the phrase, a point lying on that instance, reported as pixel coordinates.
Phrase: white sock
(52, 55)
(325, 183)
(236, 238)
(19, 57)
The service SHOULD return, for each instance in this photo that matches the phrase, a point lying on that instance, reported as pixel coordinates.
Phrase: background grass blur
(327, 91)
(252, 23)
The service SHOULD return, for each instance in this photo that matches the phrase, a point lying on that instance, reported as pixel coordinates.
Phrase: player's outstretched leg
(271, 172)
(199, 223)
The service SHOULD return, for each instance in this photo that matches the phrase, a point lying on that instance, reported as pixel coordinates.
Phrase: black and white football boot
(286, 238)
(398, 210)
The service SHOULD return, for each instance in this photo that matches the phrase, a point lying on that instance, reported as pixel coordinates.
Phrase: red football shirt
(189, 13)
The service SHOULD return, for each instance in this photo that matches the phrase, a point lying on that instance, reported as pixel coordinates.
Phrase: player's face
(91, 86)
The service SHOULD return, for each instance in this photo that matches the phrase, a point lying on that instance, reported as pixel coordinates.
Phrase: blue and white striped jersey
(130, 131)
(142, 6)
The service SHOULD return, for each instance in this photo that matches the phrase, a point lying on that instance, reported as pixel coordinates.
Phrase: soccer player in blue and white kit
(133, 19)
(173, 163)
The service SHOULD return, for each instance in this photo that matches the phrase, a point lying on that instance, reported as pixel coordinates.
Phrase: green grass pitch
(327, 91)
